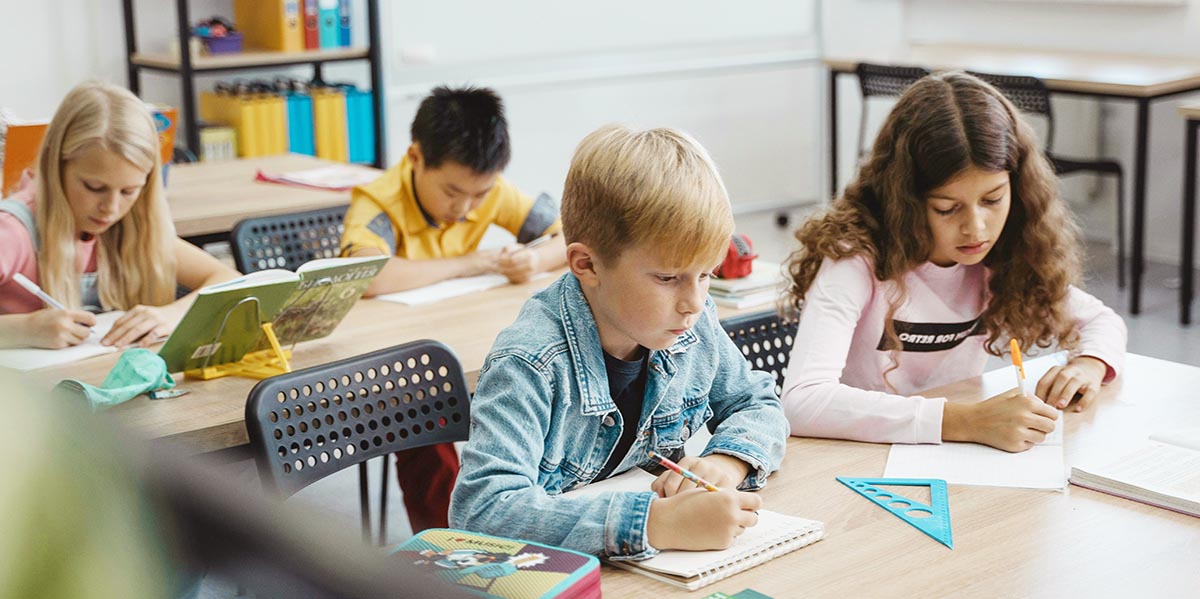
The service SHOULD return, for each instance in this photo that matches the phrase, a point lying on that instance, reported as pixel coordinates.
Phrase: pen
(1018, 365)
(32, 287)
(677, 469)
(539, 241)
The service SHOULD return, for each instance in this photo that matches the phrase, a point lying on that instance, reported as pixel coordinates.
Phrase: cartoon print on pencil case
(487, 565)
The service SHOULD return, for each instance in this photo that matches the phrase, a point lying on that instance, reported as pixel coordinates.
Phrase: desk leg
(1139, 207)
(1189, 223)
(833, 134)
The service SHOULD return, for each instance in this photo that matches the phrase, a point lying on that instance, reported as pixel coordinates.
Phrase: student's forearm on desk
(553, 255)
(13, 330)
(400, 273)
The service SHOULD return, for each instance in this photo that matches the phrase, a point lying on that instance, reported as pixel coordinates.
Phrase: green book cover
(305, 304)
(328, 289)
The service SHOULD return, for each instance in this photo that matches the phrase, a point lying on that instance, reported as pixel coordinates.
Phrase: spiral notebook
(774, 535)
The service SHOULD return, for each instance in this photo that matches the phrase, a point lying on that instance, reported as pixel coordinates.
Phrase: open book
(774, 535)
(1165, 472)
(225, 321)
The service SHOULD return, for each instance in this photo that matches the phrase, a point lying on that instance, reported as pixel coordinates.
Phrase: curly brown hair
(941, 125)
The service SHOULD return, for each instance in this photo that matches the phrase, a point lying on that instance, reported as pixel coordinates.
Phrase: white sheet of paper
(448, 289)
(1040, 467)
(26, 358)
(444, 290)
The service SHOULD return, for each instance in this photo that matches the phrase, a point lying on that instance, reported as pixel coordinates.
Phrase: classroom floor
(1154, 333)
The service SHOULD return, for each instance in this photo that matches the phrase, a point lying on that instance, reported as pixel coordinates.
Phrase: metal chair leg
(1120, 231)
(383, 497)
(364, 504)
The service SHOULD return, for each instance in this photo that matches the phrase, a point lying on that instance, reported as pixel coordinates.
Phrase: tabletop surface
(211, 197)
(1062, 70)
(1007, 542)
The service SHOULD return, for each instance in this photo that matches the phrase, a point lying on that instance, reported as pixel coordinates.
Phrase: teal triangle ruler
(933, 519)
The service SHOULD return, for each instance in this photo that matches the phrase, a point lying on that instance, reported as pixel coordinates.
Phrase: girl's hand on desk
(1081, 377)
(1010, 421)
(698, 520)
(722, 471)
(518, 263)
(141, 326)
(52, 328)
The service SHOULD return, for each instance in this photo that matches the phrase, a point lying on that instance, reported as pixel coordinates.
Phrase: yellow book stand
(256, 365)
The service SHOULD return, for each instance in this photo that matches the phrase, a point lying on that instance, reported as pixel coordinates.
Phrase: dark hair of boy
(465, 125)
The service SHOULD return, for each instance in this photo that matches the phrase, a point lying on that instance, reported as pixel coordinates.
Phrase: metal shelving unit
(187, 67)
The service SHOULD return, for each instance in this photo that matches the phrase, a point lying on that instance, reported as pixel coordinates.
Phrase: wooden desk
(208, 198)
(1187, 251)
(1141, 79)
(1007, 542)
(211, 416)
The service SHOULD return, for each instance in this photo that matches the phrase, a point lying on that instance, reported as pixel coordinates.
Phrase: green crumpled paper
(137, 371)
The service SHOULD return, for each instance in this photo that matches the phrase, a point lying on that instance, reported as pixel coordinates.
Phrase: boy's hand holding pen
(519, 262)
(683, 518)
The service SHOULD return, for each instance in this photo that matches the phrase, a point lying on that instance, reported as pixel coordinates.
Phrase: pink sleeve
(1102, 333)
(815, 401)
(16, 247)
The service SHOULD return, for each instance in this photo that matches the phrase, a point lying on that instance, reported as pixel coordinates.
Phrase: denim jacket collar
(590, 373)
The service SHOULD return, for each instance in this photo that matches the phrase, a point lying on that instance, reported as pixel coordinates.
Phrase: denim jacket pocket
(673, 429)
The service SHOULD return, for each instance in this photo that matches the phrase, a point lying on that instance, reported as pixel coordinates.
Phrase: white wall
(744, 82)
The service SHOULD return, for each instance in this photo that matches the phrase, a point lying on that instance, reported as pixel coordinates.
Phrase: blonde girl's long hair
(135, 258)
(940, 126)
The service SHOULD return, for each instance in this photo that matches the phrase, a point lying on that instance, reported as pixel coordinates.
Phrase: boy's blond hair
(657, 186)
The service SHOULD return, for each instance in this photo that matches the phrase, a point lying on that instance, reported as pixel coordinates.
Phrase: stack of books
(765, 284)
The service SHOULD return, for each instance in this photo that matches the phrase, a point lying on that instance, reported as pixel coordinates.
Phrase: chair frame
(766, 339)
(311, 423)
(287, 240)
(882, 81)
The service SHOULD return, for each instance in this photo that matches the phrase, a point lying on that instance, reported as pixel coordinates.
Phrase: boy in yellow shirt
(430, 211)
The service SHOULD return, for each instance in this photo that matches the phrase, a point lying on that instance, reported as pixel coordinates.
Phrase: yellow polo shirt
(384, 215)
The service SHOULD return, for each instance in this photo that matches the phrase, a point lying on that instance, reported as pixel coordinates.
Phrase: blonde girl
(93, 230)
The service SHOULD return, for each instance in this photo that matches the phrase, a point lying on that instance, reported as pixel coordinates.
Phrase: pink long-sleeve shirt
(835, 385)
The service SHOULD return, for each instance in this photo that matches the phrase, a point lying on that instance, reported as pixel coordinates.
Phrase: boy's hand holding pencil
(713, 473)
(696, 514)
(519, 262)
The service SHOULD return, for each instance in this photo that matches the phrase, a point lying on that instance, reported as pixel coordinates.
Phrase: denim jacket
(543, 422)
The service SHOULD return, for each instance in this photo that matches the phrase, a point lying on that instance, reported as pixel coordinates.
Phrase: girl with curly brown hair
(951, 240)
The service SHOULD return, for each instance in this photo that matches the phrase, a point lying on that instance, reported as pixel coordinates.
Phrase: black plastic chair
(1029, 95)
(765, 338)
(306, 425)
(883, 81)
(287, 240)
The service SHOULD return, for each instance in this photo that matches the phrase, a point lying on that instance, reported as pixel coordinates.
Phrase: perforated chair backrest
(765, 338)
(308, 424)
(886, 80)
(1028, 94)
(287, 240)
(876, 80)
